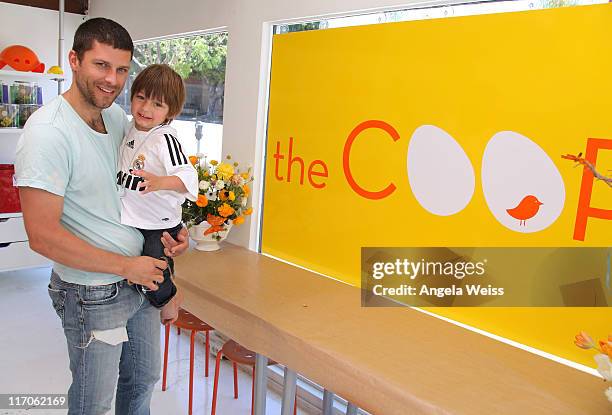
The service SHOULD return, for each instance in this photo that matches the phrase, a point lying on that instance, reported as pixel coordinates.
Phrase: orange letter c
(347, 151)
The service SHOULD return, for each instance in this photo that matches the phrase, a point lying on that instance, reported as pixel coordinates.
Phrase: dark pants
(153, 247)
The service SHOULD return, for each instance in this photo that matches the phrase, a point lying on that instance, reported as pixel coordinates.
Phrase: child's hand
(151, 183)
(169, 312)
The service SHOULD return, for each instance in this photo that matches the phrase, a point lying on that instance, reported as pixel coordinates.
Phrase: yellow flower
(245, 176)
(193, 160)
(225, 171)
(206, 174)
(224, 195)
(248, 211)
(238, 221)
(246, 190)
(225, 210)
(202, 201)
(214, 162)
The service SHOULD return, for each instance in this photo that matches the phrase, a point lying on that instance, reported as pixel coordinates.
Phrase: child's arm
(181, 176)
(153, 183)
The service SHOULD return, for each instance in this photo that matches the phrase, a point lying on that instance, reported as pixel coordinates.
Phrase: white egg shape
(522, 186)
(441, 175)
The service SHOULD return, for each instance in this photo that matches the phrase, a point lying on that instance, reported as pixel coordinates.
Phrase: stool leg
(235, 380)
(207, 351)
(167, 328)
(216, 383)
(253, 392)
(295, 403)
(191, 358)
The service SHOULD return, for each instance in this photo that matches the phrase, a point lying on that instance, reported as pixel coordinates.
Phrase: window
(200, 60)
(421, 13)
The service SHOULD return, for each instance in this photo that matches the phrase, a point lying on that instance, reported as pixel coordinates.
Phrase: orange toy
(21, 59)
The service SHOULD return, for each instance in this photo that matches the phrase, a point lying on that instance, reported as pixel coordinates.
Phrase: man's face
(101, 74)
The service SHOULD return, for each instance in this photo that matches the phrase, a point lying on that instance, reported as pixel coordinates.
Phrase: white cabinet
(15, 252)
(12, 229)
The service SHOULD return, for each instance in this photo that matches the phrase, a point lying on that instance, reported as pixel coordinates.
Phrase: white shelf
(18, 75)
(11, 130)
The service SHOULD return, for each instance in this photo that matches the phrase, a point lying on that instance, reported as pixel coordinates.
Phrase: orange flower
(226, 210)
(202, 201)
(216, 224)
(193, 160)
(584, 341)
(606, 347)
(238, 221)
(246, 190)
(248, 211)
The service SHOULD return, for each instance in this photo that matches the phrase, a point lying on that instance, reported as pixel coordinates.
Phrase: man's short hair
(161, 82)
(104, 31)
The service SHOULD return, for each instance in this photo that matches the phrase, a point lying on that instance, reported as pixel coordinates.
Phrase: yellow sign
(442, 133)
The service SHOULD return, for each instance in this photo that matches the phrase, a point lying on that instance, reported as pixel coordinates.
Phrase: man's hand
(176, 247)
(144, 270)
(169, 312)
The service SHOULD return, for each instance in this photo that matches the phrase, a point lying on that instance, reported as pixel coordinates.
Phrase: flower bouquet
(222, 201)
(602, 358)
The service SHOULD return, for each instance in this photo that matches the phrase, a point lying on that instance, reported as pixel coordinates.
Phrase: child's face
(147, 112)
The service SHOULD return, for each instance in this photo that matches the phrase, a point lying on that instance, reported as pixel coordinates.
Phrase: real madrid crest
(139, 163)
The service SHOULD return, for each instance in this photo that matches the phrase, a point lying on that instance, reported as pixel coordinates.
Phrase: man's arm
(41, 214)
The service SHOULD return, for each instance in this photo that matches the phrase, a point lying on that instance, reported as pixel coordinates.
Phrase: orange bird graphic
(526, 209)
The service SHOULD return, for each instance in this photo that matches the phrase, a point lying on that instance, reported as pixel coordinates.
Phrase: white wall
(38, 29)
(248, 23)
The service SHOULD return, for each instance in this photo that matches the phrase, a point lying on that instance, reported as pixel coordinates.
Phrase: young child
(155, 176)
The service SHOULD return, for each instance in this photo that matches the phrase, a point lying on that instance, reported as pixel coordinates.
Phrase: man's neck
(90, 114)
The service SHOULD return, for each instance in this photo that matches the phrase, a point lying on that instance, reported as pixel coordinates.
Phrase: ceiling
(71, 6)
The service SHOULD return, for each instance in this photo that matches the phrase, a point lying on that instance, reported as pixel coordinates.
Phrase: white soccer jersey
(159, 152)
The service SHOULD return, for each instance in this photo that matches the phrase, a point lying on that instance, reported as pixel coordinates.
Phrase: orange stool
(235, 353)
(188, 321)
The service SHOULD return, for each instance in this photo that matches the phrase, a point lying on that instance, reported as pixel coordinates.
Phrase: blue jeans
(112, 333)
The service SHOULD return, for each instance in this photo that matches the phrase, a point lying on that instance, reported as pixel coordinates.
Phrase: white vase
(207, 242)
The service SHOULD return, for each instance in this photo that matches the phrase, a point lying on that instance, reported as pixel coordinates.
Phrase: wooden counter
(388, 361)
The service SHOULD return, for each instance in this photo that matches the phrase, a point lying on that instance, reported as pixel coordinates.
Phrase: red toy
(21, 59)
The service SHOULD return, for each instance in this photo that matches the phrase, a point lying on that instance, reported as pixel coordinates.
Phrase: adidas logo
(130, 144)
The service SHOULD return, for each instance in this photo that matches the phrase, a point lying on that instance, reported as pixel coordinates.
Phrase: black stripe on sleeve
(178, 157)
(180, 148)
(170, 149)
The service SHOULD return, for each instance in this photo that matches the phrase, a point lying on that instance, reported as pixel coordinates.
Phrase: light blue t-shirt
(58, 152)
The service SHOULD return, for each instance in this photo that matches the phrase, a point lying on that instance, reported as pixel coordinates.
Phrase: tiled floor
(34, 359)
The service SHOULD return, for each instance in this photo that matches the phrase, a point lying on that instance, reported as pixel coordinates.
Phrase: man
(65, 169)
